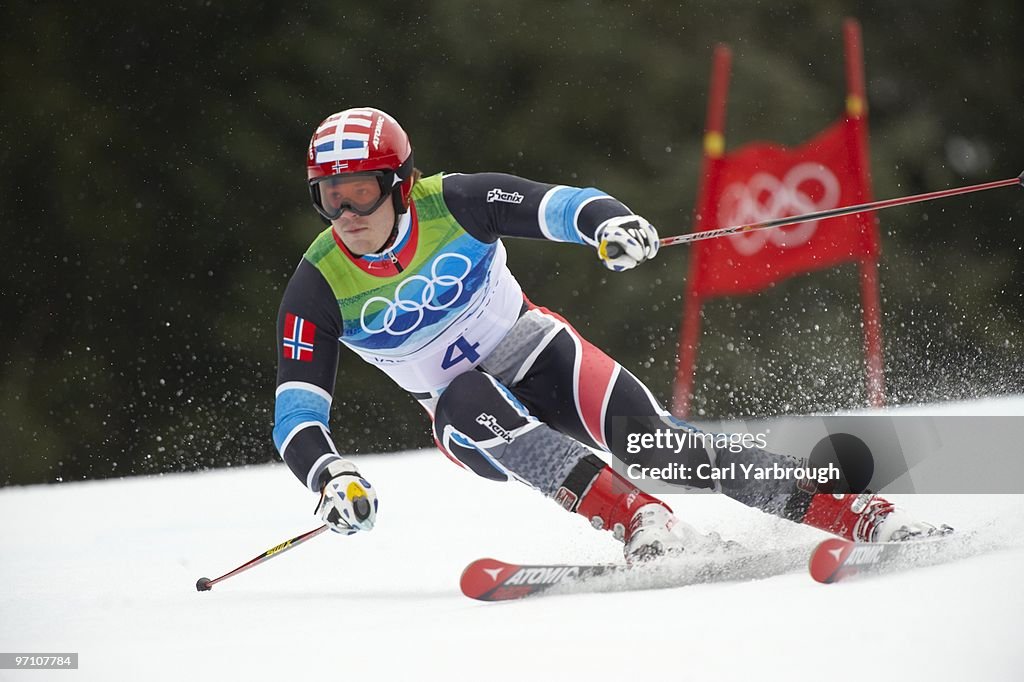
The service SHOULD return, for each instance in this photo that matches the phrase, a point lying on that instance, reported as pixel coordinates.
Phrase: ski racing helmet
(356, 145)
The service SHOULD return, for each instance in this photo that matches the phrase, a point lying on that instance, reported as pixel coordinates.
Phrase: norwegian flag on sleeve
(298, 338)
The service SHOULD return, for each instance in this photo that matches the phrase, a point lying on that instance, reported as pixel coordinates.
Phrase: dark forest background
(153, 200)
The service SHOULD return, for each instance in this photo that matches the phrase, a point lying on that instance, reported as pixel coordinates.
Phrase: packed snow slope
(108, 569)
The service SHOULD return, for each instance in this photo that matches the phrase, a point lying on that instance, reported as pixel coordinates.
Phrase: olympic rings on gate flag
(418, 293)
(765, 197)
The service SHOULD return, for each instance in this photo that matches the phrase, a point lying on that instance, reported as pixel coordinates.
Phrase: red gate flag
(763, 181)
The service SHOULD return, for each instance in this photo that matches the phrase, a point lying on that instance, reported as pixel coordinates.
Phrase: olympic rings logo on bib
(416, 294)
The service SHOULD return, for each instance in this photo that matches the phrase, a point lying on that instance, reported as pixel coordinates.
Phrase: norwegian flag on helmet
(298, 338)
(344, 136)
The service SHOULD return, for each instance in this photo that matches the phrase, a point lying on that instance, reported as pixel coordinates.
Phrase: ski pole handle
(613, 251)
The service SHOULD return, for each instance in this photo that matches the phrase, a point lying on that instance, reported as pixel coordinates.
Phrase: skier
(411, 276)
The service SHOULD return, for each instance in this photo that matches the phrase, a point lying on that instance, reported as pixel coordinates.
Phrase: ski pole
(205, 584)
(614, 250)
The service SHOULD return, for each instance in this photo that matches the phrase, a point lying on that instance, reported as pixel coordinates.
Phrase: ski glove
(625, 242)
(348, 503)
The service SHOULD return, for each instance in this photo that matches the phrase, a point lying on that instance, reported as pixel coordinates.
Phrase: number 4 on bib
(465, 350)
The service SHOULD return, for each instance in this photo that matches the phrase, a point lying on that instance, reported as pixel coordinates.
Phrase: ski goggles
(360, 193)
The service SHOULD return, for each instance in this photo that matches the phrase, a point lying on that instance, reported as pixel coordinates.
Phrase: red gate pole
(856, 111)
(714, 147)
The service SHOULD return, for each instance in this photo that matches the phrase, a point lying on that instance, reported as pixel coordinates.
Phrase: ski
(493, 580)
(836, 559)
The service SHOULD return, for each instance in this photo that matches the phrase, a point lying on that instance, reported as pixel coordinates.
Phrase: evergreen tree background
(154, 201)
